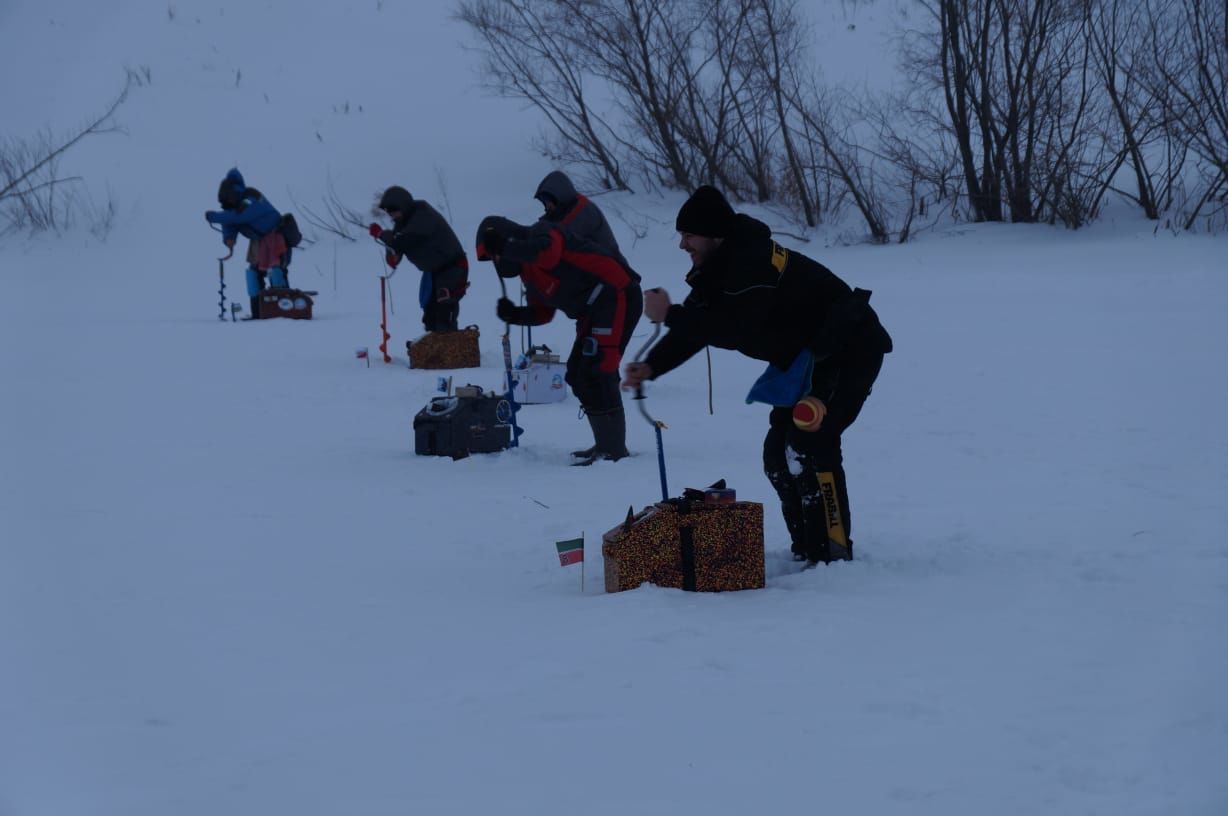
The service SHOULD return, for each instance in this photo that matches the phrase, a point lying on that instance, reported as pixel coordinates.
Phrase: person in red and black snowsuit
(421, 234)
(823, 343)
(599, 291)
(564, 207)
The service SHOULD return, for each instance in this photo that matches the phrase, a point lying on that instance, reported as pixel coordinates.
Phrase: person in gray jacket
(421, 234)
(566, 208)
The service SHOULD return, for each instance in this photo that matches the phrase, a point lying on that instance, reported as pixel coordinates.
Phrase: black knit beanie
(706, 213)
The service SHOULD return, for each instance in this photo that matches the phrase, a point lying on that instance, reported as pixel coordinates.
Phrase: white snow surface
(228, 586)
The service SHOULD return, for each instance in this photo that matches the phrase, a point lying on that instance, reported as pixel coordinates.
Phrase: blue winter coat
(254, 217)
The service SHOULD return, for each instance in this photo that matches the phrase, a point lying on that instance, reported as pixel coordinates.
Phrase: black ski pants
(598, 391)
(814, 494)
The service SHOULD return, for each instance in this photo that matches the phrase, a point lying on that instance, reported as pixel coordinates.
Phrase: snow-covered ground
(228, 586)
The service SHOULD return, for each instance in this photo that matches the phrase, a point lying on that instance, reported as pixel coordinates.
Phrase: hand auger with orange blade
(656, 424)
(383, 317)
(383, 309)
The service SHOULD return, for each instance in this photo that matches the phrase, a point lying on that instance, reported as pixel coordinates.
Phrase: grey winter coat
(576, 213)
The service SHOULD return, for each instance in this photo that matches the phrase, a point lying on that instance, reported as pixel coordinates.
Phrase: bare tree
(1188, 72)
(642, 48)
(1113, 34)
(752, 133)
(1023, 107)
(1018, 109)
(779, 54)
(961, 45)
(527, 56)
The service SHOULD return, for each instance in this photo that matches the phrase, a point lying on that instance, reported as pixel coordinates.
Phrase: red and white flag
(361, 353)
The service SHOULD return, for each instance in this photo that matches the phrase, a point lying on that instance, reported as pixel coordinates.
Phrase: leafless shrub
(34, 194)
(333, 216)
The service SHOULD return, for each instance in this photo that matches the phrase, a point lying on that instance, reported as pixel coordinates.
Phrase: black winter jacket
(425, 238)
(754, 296)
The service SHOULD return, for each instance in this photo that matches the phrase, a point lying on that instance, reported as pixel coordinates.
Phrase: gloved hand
(376, 230)
(391, 257)
(229, 242)
(493, 241)
(507, 311)
(636, 373)
(656, 304)
(209, 216)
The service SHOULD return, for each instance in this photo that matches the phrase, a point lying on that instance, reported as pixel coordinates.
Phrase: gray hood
(558, 187)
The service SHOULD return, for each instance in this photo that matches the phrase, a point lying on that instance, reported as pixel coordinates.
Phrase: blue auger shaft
(657, 424)
(511, 383)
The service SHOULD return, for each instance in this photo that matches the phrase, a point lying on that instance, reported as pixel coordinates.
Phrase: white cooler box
(539, 378)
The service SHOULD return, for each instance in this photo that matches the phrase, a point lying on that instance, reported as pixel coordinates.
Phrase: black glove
(493, 240)
(509, 312)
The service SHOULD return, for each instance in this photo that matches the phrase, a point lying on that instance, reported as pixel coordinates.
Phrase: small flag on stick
(570, 552)
(362, 354)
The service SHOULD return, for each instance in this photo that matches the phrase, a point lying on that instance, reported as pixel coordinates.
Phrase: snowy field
(228, 586)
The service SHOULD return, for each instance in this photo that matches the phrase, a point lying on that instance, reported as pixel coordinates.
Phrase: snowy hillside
(228, 586)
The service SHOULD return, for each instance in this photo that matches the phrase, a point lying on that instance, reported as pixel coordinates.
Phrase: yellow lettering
(780, 257)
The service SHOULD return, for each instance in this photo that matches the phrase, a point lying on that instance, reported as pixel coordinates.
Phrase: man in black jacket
(421, 234)
(822, 340)
(600, 292)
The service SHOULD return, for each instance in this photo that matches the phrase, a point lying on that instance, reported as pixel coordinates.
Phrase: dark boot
(791, 507)
(588, 455)
(255, 304)
(610, 434)
(825, 516)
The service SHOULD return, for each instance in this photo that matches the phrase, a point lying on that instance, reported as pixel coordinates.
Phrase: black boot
(610, 434)
(791, 507)
(588, 455)
(255, 304)
(825, 516)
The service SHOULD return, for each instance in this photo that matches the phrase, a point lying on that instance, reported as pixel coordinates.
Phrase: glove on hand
(229, 242)
(493, 241)
(507, 311)
(392, 258)
(376, 230)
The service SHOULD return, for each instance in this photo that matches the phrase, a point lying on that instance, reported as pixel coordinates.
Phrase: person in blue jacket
(245, 211)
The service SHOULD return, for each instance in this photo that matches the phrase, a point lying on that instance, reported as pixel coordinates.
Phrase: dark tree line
(1015, 110)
